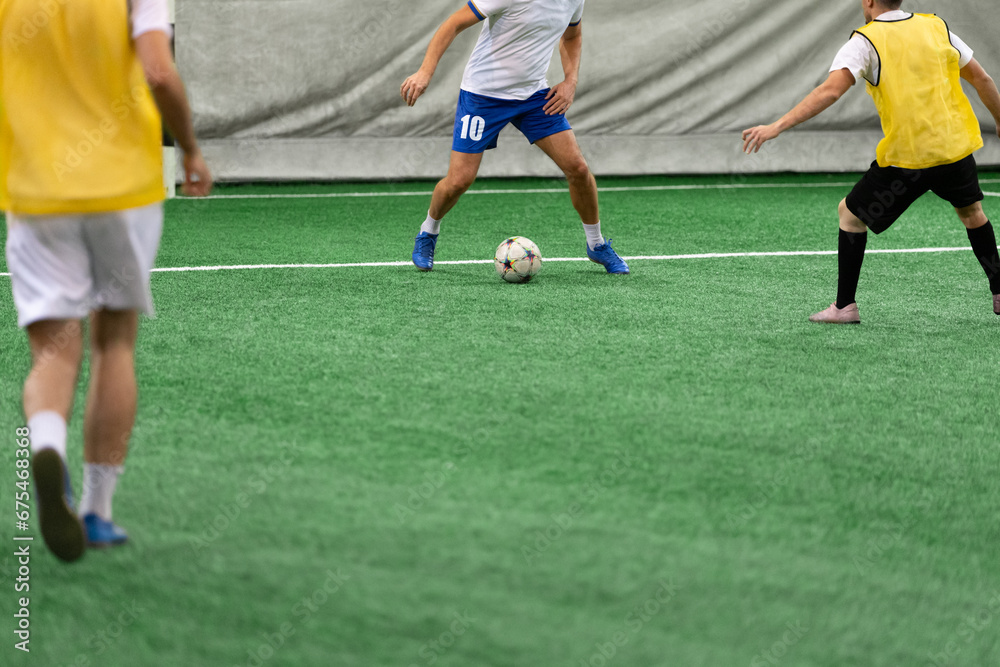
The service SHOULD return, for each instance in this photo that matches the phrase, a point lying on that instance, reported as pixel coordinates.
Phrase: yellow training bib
(79, 131)
(927, 119)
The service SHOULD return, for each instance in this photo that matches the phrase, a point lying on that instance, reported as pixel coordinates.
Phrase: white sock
(594, 237)
(431, 226)
(48, 430)
(99, 482)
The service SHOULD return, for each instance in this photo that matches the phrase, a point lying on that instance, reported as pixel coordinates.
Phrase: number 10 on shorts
(473, 127)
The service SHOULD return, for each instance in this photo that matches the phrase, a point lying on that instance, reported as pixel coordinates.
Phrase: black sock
(984, 244)
(851, 256)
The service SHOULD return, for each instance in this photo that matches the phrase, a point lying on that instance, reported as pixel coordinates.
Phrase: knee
(62, 341)
(457, 183)
(114, 333)
(577, 171)
(115, 348)
(843, 211)
(973, 216)
(848, 221)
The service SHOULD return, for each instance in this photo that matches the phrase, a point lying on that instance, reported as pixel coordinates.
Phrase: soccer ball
(517, 260)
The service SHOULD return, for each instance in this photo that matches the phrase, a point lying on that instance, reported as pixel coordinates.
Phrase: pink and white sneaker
(834, 315)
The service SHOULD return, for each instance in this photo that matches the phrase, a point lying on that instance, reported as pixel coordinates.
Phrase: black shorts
(885, 193)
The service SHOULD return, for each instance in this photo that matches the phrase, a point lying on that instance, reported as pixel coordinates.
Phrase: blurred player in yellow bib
(913, 66)
(83, 84)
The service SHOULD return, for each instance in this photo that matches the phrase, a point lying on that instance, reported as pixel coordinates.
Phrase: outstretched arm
(415, 85)
(985, 86)
(561, 95)
(818, 101)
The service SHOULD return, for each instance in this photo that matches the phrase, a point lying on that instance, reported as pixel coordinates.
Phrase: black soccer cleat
(61, 529)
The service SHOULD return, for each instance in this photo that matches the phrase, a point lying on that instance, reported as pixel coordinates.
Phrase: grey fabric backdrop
(308, 89)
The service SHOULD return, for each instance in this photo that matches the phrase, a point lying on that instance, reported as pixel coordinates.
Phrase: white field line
(532, 191)
(992, 194)
(714, 255)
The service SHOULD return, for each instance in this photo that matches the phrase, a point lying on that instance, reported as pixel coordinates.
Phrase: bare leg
(56, 351)
(850, 222)
(973, 217)
(112, 395)
(565, 152)
(461, 175)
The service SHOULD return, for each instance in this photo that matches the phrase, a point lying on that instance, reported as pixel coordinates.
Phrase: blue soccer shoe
(606, 256)
(423, 251)
(57, 518)
(102, 534)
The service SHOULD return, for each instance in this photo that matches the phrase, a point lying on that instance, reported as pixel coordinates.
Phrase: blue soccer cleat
(102, 534)
(57, 518)
(606, 256)
(423, 251)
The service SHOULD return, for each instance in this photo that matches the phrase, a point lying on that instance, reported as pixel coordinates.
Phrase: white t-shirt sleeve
(484, 8)
(963, 49)
(577, 15)
(858, 56)
(149, 15)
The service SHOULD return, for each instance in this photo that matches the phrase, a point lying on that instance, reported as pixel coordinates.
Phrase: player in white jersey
(505, 83)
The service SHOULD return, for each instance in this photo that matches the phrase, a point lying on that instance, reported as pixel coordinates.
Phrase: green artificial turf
(375, 466)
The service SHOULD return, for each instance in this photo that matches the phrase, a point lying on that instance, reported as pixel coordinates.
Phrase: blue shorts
(479, 119)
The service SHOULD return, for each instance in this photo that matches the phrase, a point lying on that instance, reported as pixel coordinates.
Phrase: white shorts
(64, 266)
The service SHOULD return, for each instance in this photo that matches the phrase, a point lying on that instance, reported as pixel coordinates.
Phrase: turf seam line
(714, 255)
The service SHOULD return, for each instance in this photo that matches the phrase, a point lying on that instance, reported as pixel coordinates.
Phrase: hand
(756, 137)
(197, 177)
(414, 87)
(560, 98)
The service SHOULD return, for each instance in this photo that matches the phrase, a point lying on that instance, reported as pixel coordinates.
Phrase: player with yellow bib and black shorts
(913, 65)
(82, 87)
